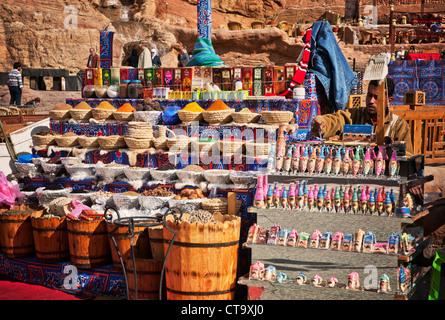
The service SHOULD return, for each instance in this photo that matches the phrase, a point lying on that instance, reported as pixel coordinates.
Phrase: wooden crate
(414, 98)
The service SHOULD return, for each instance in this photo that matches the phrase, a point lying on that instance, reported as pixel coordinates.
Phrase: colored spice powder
(245, 110)
(193, 107)
(126, 107)
(218, 105)
(83, 105)
(106, 106)
(63, 107)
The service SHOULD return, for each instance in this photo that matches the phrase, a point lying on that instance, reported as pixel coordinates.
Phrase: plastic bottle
(431, 196)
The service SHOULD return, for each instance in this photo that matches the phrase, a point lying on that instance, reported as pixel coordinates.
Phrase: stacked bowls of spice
(218, 113)
(81, 112)
(104, 111)
(191, 112)
(124, 112)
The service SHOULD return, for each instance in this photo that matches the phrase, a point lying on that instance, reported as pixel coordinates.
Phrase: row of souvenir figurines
(358, 242)
(259, 272)
(333, 160)
(348, 199)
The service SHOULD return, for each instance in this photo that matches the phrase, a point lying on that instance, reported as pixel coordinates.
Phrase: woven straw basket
(102, 114)
(257, 149)
(161, 141)
(189, 116)
(136, 143)
(218, 207)
(43, 140)
(66, 141)
(81, 114)
(88, 142)
(123, 116)
(245, 117)
(179, 143)
(204, 147)
(111, 142)
(277, 117)
(231, 146)
(141, 130)
(59, 115)
(218, 117)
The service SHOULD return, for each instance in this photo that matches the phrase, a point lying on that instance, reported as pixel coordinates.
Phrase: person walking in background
(15, 84)
(183, 57)
(133, 59)
(155, 59)
(144, 57)
(93, 59)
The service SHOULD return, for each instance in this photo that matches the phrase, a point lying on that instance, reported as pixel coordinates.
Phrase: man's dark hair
(389, 84)
(17, 65)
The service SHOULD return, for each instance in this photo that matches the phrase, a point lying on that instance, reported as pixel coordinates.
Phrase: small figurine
(356, 162)
(388, 205)
(328, 202)
(282, 238)
(259, 198)
(353, 281)
(393, 244)
(303, 239)
(320, 200)
(305, 194)
(336, 163)
(270, 273)
(256, 271)
(403, 281)
(332, 282)
(292, 238)
(379, 166)
(320, 161)
(291, 198)
(273, 234)
(317, 280)
(284, 198)
(269, 197)
(371, 203)
(300, 198)
(325, 240)
(384, 285)
(312, 159)
(281, 277)
(253, 233)
(368, 242)
(304, 158)
(337, 240)
(300, 279)
(315, 239)
(276, 197)
(263, 234)
(327, 168)
(354, 202)
(380, 203)
(363, 201)
(337, 200)
(296, 159)
(310, 199)
(271, 159)
(347, 162)
(288, 159)
(393, 165)
(348, 242)
(368, 163)
(346, 203)
(358, 240)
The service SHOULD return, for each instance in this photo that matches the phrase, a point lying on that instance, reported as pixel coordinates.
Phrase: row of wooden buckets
(201, 263)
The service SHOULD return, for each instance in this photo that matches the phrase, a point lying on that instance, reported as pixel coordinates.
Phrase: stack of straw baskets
(218, 205)
(139, 135)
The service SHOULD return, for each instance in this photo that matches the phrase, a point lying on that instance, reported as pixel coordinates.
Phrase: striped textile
(204, 55)
(300, 73)
(15, 79)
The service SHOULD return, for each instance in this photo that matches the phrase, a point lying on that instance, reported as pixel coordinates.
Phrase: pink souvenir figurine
(347, 162)
(368, 163)
(312, 160)
(332, 282)
(317, 280)
(259, 198)
(265, 186)
(310, 199)
(257, 271)
(379, 166)
(292, 238)
(336, 164)
(356, 162)
(319, 164)
(328, 202)
(346, 202)
(296, 159)
(393, 164)
(304, 158)
(363, 201)
(337, 240)
(276, 197)
(315, 239)
(353, 281)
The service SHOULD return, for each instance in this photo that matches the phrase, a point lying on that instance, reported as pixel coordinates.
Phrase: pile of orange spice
(126, 107)
(218, 105)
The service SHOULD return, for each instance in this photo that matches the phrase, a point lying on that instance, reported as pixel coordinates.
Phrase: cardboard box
(280, 79)
(268, 80)
(187, 78)
(247, 79)
(257, 87)
(159, 77)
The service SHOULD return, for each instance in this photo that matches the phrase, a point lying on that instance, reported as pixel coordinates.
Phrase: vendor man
(395, 128)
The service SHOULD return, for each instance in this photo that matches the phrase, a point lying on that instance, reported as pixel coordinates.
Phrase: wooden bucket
(156, 237)
(16, 240)
(88, 242)
(202, 262)
(123, 241)
(148, 276)
(50, 238)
